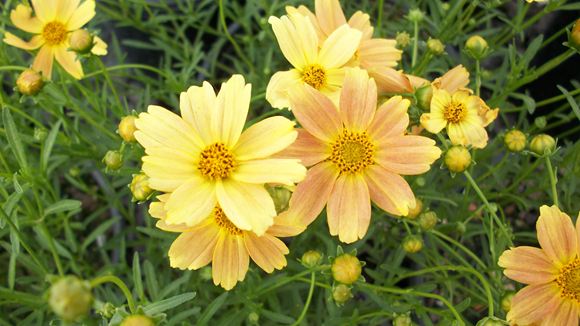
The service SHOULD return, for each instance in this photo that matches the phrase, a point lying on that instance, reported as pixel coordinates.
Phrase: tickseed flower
(377, 55)
(318, 64)
(217, 240)
(356, 154)
(204, 160)
(52, 25)
(552, 272)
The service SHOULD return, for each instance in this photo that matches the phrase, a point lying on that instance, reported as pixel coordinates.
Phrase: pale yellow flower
(52, 25)
(204, 159)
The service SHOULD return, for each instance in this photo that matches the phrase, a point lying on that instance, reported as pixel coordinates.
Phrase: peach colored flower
(552, 272)
(218, 241)
(357, 154)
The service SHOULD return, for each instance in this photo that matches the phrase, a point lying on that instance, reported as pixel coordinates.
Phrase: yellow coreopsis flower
(204, 159)
(320, 65)
(357, 153)
(552, 273)
(52, 25)
(218, 241)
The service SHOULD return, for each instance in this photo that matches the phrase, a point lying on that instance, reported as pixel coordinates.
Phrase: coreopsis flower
(356, 153)
(204, 159)
(52, 25)
(218, 241)
(317, 64)
(552, 272)
(377, 55)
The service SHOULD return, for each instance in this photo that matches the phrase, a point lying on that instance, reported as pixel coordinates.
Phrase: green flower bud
(415, 15)
(457, 159)
(140, 187)
(113, 160)
(415, 211)
(412, 244)
(506, 301)
(40, 134)
(403, 39)
(515, 140)
(435, 46)
(81, 41)
(428, 220)
(253, 318)
(477, 47)
(491, 321)
(341, 294)
(70, 298)
(543, 144)
(346, 269)
(424, 96)
(541, 122)
(403, 320)
(29, 82)
(137, 320)
(311, 258)
(281, 197)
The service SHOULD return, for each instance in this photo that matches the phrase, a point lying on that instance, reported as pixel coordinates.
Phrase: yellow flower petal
(233, 103)
(22, 18)
(339, 47)
(191, 203)
(528, 265)
(194, 249)
(361, 21)
(389, 190)
(557, 235)
(407, 155)
(230, 261)
(248, 206)
(279, 85)
(390, 80)
(196, 106)
(286, 226)
(330, 15)
(567, 313)
(280, 171)
(297, 39)
(453, 80)
(66, 9)
(469, 132)
(379, 52)
(265, 138)
(100, 47)
(358, 100)
(35, 42)
(309, 149)
(349, 208)
(266, 251)
(43, 61)
(391, 119)
(533, 303)
(168, 169)
(69, 62)
(302, 10)
(45, 10)
(82, 15)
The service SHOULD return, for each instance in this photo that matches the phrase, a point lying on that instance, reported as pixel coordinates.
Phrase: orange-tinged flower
(204, 159)
(552, 273)
(356, 153)
(318, 64)
(52, 25)
(218, 241)
(377, 55)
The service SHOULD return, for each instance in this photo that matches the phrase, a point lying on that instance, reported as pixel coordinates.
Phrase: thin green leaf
(167, 304)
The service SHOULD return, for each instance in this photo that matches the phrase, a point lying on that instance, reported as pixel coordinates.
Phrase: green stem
(415, 43)
(230, 38)
(380, 16)
(52, 247)
(460, 246)
(557, 98)
(118, 282)
(308, 300)
(553, 180)
(477, 77)
(127, 66)
(17, 68)
(416, 293)
(110, 82)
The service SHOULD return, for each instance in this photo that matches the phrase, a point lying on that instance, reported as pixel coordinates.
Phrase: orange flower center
(315, 76)
(455, 112)
(216, 162)
(223, 222)
(352, 151)
(569, 280)
(54, 33)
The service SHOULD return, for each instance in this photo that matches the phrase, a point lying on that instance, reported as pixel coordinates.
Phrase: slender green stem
(553, 179)
(415, 43)
(416, 293)
(52, 247)
(230, 38)
(380, 16)
(17, 68)
(118, 282)
(110, 83)
(557, 98)
(460, 246)
(308, 299)
(127, 66)
(477, 77)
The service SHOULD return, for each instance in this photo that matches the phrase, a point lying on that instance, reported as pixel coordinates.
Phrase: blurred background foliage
(63, 212)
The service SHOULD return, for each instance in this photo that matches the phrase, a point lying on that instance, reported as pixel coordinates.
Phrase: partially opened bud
(29, 82)
(81, 41)
(140, 187)
(70, 298)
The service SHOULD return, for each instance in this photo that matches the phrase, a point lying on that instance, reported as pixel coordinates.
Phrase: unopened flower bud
(113, 160)
(477, 47)
(29, 82)
(137, 320)
(40, 134)
(341, 294)
(415, 211)
(403, 320)
(70, 298)
(506, 301)
(412, 244)
(424, 95)
(81, 41)
(140, 187)
(311, 258)
(460, 228)
(445, 6)
(403, 39)
(541, 122)
(428, 220)
(127, 128)
(281, 197)
(491, 321)
(415, 15)
(435, 46)
(574, 39)
(253, 318)
(542, 144)
(346, 269)
(457, 159)
(515, 140)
